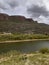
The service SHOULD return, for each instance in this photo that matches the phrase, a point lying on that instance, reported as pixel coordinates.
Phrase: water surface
(24, 46)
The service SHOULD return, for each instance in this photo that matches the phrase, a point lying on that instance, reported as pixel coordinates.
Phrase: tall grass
(5, 37)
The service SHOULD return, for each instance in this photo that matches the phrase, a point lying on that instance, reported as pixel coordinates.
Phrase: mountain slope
(20, 24)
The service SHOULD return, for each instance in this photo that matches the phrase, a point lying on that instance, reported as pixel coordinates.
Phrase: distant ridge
(21, 24)
(13, 17)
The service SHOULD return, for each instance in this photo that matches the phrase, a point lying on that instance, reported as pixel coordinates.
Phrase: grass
(16, 36)
(16, 58)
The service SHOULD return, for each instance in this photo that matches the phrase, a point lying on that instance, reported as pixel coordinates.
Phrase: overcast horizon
(35, 9)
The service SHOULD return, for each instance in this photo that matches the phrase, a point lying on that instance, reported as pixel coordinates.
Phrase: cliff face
(3, 16)
(20, 24)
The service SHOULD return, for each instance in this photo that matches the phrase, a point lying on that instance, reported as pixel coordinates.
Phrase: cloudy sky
(36, 9)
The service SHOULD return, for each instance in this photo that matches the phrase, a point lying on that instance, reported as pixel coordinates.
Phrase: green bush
(44, 50)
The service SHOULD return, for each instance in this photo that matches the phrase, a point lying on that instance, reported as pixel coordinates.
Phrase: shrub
(44, 50)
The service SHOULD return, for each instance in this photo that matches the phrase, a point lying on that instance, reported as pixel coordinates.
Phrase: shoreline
(28, 40)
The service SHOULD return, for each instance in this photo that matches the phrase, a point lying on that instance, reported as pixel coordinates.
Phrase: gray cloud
(37, 11)
(8, 5)
(12, 3)
(2, 6)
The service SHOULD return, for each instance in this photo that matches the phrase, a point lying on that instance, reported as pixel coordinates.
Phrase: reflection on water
(24, 46)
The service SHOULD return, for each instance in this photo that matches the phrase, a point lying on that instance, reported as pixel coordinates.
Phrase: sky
(35, 9)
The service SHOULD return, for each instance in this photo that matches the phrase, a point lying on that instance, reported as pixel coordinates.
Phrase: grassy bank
(15, 58)
(23, 37)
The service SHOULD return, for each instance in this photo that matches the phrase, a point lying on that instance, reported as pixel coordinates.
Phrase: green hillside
(20, 24)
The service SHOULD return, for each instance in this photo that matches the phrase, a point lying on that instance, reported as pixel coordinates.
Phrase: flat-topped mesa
(21, 24)
(18, 18)
(21, 18)
(3, 16)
